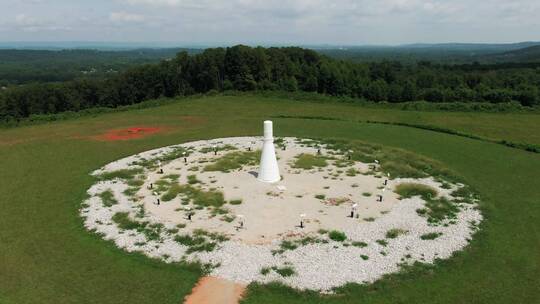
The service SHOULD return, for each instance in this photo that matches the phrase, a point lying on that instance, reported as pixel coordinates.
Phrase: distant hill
(447, 53)
(527, 54)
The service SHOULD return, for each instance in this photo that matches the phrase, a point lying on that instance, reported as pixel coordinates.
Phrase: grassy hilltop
(46, 255)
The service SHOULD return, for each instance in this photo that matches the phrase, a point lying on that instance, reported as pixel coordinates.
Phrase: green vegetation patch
(126, 174)
(197, 196)
(285, 271)
(233, 161)
(337, 236)
(408, 190)
(151, 231)
(430, 236)
(235, 202)
(200, 240)
(438, 210)
(107, 198)
(218, 148)
(309, 161)
(359, 244)
(394, 233)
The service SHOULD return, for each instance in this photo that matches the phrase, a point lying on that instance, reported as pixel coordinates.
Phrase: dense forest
(26, 66)
(290, 69)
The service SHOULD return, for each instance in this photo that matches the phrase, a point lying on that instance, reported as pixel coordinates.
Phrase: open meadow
(47, 256)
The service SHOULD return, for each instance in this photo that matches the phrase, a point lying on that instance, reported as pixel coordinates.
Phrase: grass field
(46, 256)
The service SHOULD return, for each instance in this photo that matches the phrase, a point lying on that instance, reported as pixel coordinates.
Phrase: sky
(295, 22)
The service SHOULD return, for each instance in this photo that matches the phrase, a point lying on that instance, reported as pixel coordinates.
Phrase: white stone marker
(268, 171)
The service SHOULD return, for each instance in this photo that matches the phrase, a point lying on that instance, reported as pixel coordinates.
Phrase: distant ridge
(527, 54)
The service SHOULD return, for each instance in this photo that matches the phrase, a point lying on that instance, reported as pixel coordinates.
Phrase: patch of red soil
(128, 134)
(212, 290)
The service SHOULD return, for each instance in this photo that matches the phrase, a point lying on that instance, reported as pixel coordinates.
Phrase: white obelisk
(268, 171)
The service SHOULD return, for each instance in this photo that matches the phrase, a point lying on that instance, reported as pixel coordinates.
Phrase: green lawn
(46, 256)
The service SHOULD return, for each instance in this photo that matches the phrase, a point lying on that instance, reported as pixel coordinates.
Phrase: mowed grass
(46, 256)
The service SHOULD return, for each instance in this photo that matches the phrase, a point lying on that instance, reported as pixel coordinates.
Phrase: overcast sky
(271, 21)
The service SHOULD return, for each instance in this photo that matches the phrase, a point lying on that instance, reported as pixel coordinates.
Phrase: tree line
(245, 68)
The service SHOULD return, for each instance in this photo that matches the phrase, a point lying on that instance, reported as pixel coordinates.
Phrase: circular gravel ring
(320, 263)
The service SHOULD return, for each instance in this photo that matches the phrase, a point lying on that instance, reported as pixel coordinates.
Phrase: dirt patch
(213, 290)
(128, 134)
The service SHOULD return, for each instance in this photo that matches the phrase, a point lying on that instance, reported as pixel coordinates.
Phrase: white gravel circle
(318, 266)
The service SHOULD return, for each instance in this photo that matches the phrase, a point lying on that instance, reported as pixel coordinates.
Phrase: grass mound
(126, 174)
(233, 161)
(438, 210)
(107, 198)
(199, 197)
(309, 161)
(201, 240)
(394, 233)
(337, 236)
(408, 190)
(124, 222)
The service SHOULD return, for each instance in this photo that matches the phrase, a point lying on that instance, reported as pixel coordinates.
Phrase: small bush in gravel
(236, 202)
(107, 198)
(287, 245)
(265, 270)
(382, 242)
(352, 172)
(320, 196)
(366, 194)
(124, 222)
(408, 190)
(192, 180)
(430, 236)
(359, 244)
(126, 174)
(309, 161)
(364, 257)
(369, 219)
(394, 233)
(234, 160)
(337, 236)
(322, 231)
(228, 218)
(286, 271)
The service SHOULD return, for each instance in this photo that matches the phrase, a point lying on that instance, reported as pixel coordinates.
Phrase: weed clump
(408, 190)
(309, 161)
(126, 174)
(394, 233)
(199, 197)
(233, 161)
(107, 198)
(430, 236)
(337, 236)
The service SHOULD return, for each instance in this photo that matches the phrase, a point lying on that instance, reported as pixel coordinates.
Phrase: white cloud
(288, 21)
(126, 17)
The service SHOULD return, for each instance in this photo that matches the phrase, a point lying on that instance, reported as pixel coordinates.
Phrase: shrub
(234, 160)
(120, 174)
(320, 196)
(236, 202)
(286, 271)
(309, 161)
(382, 242)
(394, 233)
(430, 236)
(337, 236)
(107, 198)
(408, 190)
(359, 244)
